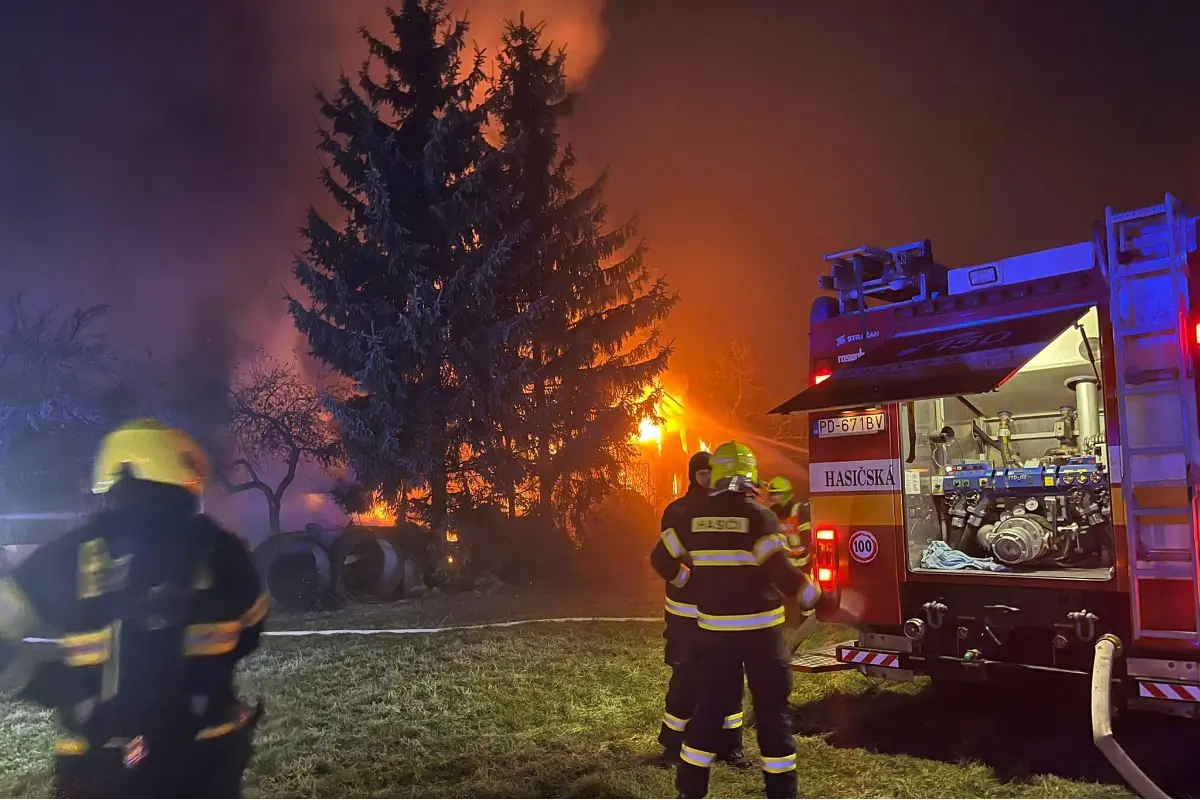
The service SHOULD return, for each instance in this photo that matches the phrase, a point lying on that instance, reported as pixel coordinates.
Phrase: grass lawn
(571, 710)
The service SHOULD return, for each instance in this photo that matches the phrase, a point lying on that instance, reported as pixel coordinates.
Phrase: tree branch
(254, 483)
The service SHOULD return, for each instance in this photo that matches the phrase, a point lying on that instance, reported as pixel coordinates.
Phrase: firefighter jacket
(795, 524)
(673, 564)
(153, 608)
(739, 561)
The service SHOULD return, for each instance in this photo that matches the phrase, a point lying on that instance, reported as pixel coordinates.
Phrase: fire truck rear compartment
(958, 630)
(1015, 481)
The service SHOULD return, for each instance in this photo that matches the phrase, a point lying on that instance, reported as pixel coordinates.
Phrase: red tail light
(822, 371)
(825, 540)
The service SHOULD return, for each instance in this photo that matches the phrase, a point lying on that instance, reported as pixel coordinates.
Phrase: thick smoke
(159, 157)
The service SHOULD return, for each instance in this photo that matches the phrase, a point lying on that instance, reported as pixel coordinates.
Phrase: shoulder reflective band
(680, 580)
(723, 558)
(768, 546)
(671, 541)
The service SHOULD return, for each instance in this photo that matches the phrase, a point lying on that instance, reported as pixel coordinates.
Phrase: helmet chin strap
(737, 483)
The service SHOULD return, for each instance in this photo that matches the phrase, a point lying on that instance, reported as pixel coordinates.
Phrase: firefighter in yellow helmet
(793, 520)
(741, 575)
(152, 605)
(796, 525)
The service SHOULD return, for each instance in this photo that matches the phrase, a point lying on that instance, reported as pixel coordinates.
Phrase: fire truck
(1004, 460)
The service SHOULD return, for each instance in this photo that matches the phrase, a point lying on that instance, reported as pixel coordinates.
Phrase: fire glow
(659, 461)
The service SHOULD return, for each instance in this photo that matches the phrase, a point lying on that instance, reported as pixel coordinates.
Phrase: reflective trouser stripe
(681, 609)
(778, 764)
(70, 746)
(673, 722)
(742, 622)
(733, 721)
(217, 731)
(697, 758)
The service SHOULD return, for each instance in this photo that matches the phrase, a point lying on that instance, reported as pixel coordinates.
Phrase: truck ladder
(1156, 400)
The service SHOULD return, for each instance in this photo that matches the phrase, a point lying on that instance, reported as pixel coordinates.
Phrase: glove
(809, 595)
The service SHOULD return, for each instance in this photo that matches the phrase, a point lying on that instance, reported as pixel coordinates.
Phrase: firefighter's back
(153, 607)
(721, 532)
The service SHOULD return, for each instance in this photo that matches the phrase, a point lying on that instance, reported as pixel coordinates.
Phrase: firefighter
(795, 523)
(793, 519)
(739, 611)
(674, 567)
(153, 606)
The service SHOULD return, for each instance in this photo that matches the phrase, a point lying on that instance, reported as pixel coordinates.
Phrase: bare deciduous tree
(276, 415)
(734, 385)
(54, 370)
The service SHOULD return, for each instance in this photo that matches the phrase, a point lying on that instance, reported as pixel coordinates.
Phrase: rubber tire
(392, 560)
(274, 549)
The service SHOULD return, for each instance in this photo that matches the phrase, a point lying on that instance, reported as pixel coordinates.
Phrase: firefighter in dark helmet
(152, 606)
(674, 566)
(740, 574)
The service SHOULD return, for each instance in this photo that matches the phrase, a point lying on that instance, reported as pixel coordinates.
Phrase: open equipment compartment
(1015, 480)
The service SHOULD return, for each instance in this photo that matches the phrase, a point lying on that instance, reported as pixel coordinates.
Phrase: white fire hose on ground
(1108, 650)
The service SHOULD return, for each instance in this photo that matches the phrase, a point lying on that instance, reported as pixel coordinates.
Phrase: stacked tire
(319, 569)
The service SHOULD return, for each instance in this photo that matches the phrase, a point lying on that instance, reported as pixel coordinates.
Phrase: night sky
(160, 156)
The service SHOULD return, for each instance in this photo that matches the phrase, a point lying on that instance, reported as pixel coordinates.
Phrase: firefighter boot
(731, 743)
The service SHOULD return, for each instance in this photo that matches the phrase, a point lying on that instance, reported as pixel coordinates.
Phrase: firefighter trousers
(139, 768)
(683, 692)
(721, 659)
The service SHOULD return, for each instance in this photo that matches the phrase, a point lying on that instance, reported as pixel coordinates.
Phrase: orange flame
(669, 423)
(380, 514)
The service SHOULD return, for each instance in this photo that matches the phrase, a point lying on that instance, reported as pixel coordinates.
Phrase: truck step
(821, 659)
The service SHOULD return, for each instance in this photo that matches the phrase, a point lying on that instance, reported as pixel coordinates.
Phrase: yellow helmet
(150, 451)
(734, 468)
(782, 486)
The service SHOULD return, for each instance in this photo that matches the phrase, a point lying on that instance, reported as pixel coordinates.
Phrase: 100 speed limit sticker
(863, 546)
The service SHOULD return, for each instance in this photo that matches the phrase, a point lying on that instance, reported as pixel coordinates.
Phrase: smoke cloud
(159, 157)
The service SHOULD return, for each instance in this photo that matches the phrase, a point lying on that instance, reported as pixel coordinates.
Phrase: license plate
(851, 425)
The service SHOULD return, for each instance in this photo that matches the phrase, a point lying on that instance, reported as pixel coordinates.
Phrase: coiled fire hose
(1108, 650)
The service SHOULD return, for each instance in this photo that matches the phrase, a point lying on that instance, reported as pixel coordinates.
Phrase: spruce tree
(400, 290)
(588, 339)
